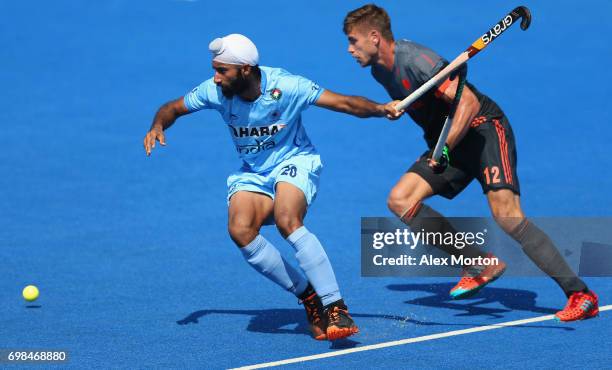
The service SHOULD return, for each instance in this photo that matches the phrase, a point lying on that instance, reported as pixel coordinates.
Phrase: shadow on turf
(293, 321)
(511, 299)
(271, 321)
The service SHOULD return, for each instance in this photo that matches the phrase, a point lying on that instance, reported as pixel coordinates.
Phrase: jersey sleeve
(307, 92)
(204, 96)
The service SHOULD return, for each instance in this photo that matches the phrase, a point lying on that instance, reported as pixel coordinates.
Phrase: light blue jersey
(269, 130)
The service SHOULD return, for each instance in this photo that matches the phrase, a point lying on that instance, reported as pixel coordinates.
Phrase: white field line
(404, 341)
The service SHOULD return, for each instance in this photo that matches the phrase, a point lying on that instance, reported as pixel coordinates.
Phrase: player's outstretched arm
(357, 106)
(164, 118)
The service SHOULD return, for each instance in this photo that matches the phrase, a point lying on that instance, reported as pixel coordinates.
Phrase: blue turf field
(131, 253)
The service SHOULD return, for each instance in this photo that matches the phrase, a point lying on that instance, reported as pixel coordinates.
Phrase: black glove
(439, 166)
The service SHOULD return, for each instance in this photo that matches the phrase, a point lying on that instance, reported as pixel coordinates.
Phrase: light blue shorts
(302, 171)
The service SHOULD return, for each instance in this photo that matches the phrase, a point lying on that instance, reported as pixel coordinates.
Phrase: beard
(236, 87)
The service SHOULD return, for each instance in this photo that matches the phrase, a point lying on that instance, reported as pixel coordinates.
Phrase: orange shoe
(475, 278)
(316, 319)
(340, 323)
(580, 306)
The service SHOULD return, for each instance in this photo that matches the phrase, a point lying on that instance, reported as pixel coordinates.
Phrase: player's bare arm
(164, 118)
(357, 106)
(467, 109)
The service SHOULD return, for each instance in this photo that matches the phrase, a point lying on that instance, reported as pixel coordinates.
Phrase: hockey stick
(437, 153)
(477, 46)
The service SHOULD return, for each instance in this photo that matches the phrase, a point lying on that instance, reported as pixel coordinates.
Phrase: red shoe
(340, 323)
(316, 318)
(580, 306)
(475, 278)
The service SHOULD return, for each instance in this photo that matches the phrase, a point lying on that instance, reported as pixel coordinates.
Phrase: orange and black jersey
(414, 65)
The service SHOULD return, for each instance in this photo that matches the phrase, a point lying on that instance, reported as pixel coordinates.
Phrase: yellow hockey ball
(30, 293)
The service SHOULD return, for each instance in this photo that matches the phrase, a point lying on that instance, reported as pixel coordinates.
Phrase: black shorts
(487, 153)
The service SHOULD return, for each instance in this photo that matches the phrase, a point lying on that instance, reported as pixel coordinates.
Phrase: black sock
(307, 292)
(339, 303)
(422, 217)
(541, 250)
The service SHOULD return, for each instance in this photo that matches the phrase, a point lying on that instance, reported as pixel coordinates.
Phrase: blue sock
(267, 260)
(315, 264)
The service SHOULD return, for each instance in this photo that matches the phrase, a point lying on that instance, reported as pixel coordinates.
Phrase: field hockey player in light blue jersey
(280, 171)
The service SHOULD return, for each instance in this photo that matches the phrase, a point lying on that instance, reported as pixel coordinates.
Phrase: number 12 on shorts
(492, 175)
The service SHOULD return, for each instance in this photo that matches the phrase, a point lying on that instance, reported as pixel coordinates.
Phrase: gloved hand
(439, 166)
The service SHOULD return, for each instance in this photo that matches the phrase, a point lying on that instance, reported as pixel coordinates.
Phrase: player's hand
(391, 112)
(155, 134)
(441, 164)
